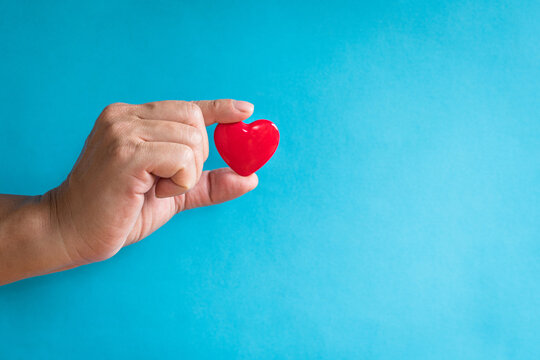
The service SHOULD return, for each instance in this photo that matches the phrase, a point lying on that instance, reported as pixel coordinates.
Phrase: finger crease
(210, 186)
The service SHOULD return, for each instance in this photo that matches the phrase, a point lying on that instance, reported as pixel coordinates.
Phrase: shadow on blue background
(398, 219)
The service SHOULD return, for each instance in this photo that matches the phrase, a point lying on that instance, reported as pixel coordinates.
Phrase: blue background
(399, 218)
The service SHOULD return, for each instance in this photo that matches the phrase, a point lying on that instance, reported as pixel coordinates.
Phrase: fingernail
(243, 106)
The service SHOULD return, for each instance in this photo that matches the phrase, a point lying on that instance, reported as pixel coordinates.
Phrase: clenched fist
(140, 165)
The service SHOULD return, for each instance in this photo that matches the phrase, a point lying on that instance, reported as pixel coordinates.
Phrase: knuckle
(114, 108)
(111, 112)
(194, 112)
(214, 104)
(121, 150)
(150, 106)
(187, 154)
(195, 137)
(118, 129)
(226, 104)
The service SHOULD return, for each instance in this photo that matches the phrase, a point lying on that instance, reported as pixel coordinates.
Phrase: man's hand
(140, 165)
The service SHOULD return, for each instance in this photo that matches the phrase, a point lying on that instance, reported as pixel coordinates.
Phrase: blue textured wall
(399, 218)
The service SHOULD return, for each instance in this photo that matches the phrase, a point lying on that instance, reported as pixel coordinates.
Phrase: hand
(141, 165)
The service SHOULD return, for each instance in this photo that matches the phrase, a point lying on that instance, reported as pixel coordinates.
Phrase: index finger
(224, 111)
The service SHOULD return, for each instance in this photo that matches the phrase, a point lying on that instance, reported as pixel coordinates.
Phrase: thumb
(217, 186)
(224, 110)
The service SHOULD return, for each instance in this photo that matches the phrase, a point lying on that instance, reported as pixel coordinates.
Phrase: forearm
(30, 244)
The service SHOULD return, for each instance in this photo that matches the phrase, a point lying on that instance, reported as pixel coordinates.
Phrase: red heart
(246, 147)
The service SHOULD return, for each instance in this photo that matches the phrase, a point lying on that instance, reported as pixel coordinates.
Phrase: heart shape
(246, 147)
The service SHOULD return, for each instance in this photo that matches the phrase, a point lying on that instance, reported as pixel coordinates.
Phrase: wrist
(56, 205)
(30, 241)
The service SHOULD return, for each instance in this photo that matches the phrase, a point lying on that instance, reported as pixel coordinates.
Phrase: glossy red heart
(246, 147)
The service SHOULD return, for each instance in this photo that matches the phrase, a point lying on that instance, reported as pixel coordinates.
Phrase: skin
(140, 165)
